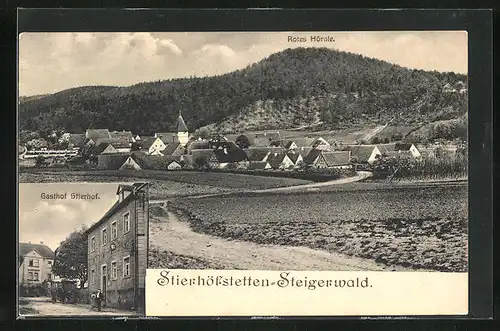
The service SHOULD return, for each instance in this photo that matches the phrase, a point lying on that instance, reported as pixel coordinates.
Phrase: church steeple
(181, 125)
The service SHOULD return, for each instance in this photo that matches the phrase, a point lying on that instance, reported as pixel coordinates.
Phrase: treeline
(342, 89)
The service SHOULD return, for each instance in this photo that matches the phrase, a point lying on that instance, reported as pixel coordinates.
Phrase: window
(35, 276)
(126, 223)
(126, 266)
(114, 231)
(30, 275)
(104, 236)
(49, 263)
(49, 276)
(92, 276)
(114, 270)
(92, 244)
(30, 263)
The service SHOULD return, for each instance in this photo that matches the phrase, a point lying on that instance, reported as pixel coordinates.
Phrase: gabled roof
(386, 148)
(167, 137)
(311, 156)
(173, 149)
(96, 134)
(98, 149)
(152, 162)
(336, 158)
(181, 125)
(304, 141)
(275, 159)
(43, 250)
(77, 139)
(304, 151)
(256, 153)
(293, 156)
(118, 204)
(111, 161)
(361, 152)
(125, 136)
(147, 141)
(288, 143)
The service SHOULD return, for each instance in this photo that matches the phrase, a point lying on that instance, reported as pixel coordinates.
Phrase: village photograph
(82, 249)
(263, 150)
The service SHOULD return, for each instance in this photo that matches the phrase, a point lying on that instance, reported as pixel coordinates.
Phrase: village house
(220, 158)
(92, 136)
(124, 136)
(118, 249)
(280, 161)
(295, 157)
(35, 263)
(152, 145)
(370, 153)
(332, 160)
(181, 136)
(174, 165)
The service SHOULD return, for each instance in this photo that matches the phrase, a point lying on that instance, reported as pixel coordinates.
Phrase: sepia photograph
(82, 249)
(312, 151)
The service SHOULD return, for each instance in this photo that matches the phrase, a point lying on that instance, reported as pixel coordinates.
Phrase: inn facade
(118, 249)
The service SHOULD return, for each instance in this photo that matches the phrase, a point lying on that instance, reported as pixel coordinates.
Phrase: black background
(477, 23)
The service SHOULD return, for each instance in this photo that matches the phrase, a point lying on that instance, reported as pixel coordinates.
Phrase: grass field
(415, 227)
(213, 179)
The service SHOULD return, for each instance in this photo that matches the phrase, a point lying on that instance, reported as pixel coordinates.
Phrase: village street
(42, 306)
(171, 234)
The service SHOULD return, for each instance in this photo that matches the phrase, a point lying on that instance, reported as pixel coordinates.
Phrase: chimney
(41, 242)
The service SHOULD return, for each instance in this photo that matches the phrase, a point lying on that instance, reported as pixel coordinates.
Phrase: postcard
(174, 174)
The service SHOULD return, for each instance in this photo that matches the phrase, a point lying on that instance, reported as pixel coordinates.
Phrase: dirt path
(173, 235)
(43, 306)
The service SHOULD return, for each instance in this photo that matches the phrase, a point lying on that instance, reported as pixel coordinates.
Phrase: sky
(51, 62)
(51, 221)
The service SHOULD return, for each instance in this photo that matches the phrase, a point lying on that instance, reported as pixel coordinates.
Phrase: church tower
(182, 131)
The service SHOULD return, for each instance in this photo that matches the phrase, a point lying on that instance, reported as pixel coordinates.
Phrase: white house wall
(374, 154)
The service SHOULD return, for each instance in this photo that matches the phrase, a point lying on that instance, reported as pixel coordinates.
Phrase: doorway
(104, 280)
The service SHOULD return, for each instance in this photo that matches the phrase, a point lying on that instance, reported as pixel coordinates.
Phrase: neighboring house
(333, 160)
(130, 164)
(118, 249)
(36, 262)
(92, 136)
(295, 157)
(322, 144)
(103, 148)
(401, 147)
(125, 136)
(175, 149)
(280, 161)
(302, 142)
(290, 145)
(181, 136)
(111, 161)
(137, 138)
(152, 145)
(262, 153)
(222, 157)
(174, 165)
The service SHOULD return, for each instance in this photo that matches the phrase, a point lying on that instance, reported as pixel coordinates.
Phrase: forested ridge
(293, 88)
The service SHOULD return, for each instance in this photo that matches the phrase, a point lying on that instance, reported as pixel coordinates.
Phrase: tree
(71, 257)
(242, 141)
(201, 163)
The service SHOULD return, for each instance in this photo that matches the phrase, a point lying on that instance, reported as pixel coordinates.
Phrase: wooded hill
(316, 87)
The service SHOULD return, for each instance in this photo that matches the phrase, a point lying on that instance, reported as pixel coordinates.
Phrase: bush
(33, 290)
